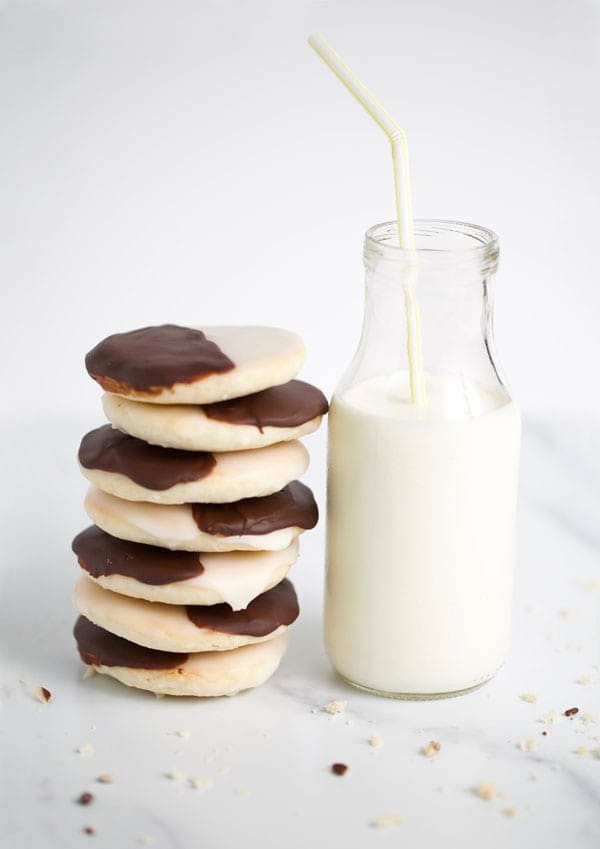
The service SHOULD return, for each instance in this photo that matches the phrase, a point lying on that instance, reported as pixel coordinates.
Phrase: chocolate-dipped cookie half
(180, 577)
(269, 523)
(187, 629)
(132, 469)
(278, 414)
(219, 673)
(174, 364)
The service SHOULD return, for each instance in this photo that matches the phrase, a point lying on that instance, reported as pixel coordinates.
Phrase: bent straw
(404, 220)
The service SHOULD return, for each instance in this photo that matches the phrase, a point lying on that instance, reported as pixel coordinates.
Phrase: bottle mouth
(437, 242)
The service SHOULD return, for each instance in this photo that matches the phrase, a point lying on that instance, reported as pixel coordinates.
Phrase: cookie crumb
(184, 734)
(41, 694)
(486, 791)
(589, 718)
(571, 711)
(225, 770)
(528, 745)
(550, 718)
(85, 799)
(201, 783)
(105, 778)
(376, 741)
(175, 775)
(596, 753)
(580, 750)
(315, 710)
(591, 586)
(339, 769)
(564, 612)
(509, 813)
(85, 749)
(530, 698)
(147, 840)
(586, 680)
(88, 830)
(431, 749)
(89, 672)
(241, 791)
(335, 707)
(387, 821)
(349, 723)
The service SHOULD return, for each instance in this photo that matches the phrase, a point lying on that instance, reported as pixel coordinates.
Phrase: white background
(195, 162)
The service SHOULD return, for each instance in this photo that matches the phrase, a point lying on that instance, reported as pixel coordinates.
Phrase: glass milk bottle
(421, 499)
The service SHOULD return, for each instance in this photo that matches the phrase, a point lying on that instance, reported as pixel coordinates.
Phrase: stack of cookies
(196, 507)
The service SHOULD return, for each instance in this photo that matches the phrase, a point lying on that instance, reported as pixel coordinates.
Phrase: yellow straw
(406, 238)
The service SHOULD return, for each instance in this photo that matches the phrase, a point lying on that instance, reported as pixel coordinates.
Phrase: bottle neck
(451, 273)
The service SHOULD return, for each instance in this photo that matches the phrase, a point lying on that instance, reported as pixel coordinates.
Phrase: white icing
(274, 541)
(239, 579)
(254, 344)
(271, 460)
(172, 525)
(172, 522)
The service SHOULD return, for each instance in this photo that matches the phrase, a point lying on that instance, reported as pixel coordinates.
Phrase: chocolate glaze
(289, 405)
(147, 465)
(100, 554)
(154, 358)
(278, 606)
(293, 506)
(101, 648)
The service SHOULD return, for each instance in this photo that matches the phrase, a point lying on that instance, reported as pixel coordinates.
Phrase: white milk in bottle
(421, 499)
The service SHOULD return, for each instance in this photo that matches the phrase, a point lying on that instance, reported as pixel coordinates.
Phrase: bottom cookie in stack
(212, 673)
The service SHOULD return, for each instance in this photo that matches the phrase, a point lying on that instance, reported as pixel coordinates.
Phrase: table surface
(268, 752)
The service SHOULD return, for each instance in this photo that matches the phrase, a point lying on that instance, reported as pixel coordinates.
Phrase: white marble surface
(267, 752)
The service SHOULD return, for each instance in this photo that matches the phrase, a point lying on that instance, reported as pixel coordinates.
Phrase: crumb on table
(387, 821)
(335, 706)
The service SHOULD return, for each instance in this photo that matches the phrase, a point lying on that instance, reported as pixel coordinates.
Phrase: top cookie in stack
(202, 459)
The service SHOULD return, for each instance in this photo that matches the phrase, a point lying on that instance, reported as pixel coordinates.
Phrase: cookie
(170, 364)
(269, 523)
(131, 469)
(220, 673)
(180, 577)
(277, 414)
(187, 628)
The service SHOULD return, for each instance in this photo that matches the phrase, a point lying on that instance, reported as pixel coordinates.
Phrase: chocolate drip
(101, 554)
(150, 466)
(278, 606)
(154, 358)
(289, 405)
(101, 648)
(293, 506)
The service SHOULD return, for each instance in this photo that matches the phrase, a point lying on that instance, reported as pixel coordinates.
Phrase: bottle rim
(438, 241)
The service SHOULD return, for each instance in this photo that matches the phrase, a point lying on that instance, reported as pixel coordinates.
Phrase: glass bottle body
(421, 499)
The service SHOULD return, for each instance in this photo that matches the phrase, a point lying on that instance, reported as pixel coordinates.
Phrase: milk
(421, 507)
